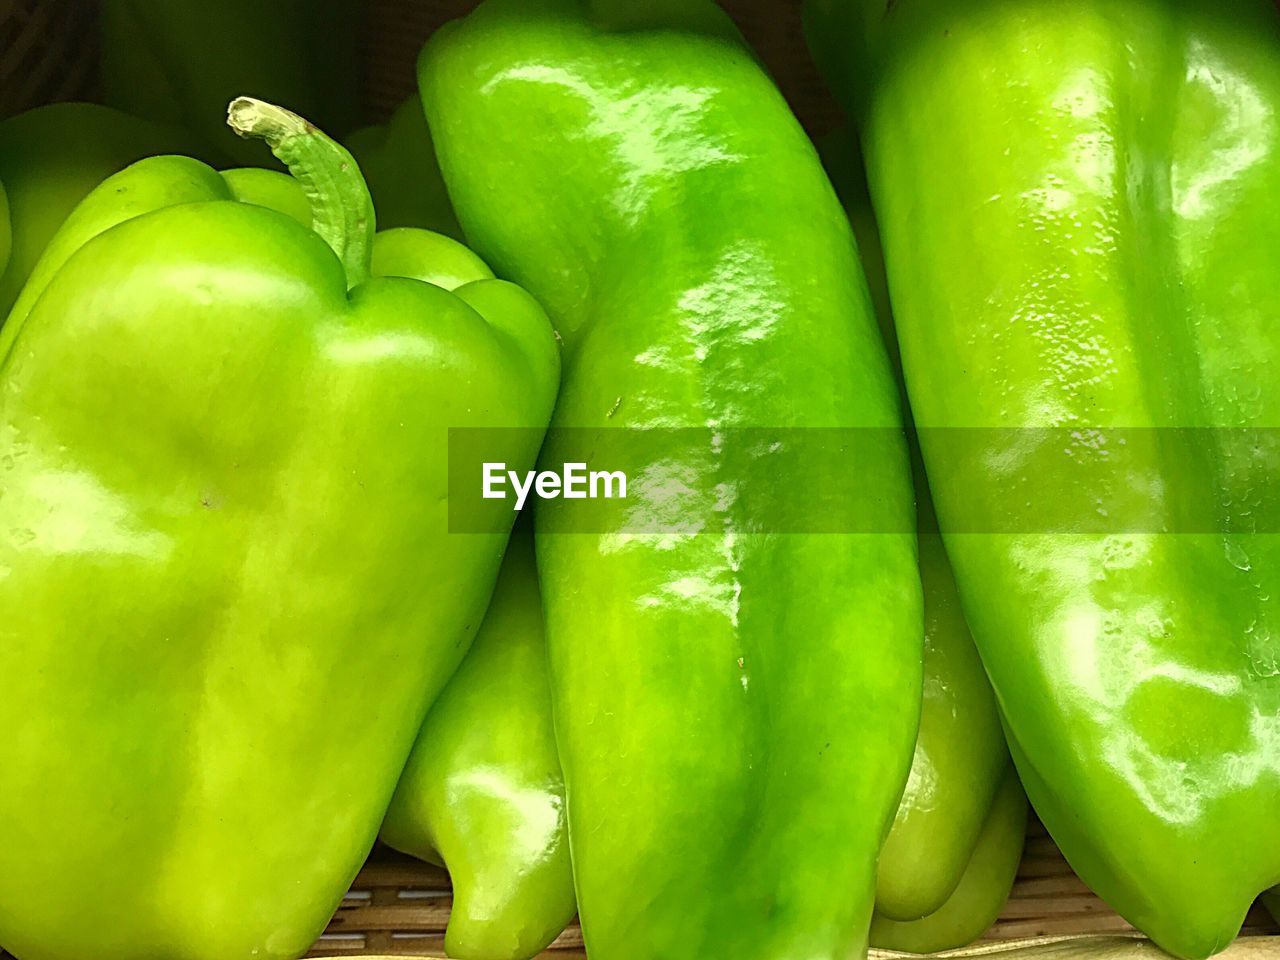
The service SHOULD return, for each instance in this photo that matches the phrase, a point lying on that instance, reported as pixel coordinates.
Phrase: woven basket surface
(46, 52)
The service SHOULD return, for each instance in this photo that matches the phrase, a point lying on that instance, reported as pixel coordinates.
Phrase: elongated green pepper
(483, 794)
(225, 536)
(961, 760)
(1091, 295)
(51, 157)
(179, 62)
(735, 710)
(971, 908)
(399, 163)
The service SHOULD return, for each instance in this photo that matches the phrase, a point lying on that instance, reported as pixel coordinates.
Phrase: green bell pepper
(212, 579)
(482, 794)
(51, 157)
(399, 164)
(735, 710)
(1091, 287)
(961, 771)
(972, 907)
(280, 192)
(180, 62)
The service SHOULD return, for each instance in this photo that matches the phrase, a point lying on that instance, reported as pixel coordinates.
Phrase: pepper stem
(341, 208)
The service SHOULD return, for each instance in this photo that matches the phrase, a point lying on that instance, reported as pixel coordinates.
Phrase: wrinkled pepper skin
(398, 160)
(208, 578)
(51, 157)
(961, 759)
(180, 62)
(976, 901)
(482, 794)
(735, 744)
(1100, 256)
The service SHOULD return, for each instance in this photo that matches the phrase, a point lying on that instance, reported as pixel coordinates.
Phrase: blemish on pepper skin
(614, 409)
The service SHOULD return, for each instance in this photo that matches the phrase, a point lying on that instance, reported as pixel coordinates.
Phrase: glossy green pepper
(975, 902)
(962, 772)
(735, 711)
(960, 762)
(1090, 294)
(399, 163)
(210, 577)
(51, 157)
(482, 794)
(180, 61)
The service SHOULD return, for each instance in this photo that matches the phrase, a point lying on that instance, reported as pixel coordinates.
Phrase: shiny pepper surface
(735, 711)
(1092, 286)
(232, 594)
(482, 793)
(947, 865)
(974, 903)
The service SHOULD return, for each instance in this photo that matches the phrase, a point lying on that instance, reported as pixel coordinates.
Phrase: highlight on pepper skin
(677, 480)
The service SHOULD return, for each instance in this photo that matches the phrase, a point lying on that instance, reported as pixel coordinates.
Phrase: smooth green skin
(960, 760)
(983, 889)
(399, 163)
(735, 713)
(961, 757)
(181, 61)
(280, 192)
(208, 576)
(1099, 253)
(403, 252)
(50, 158)
(483, 794)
